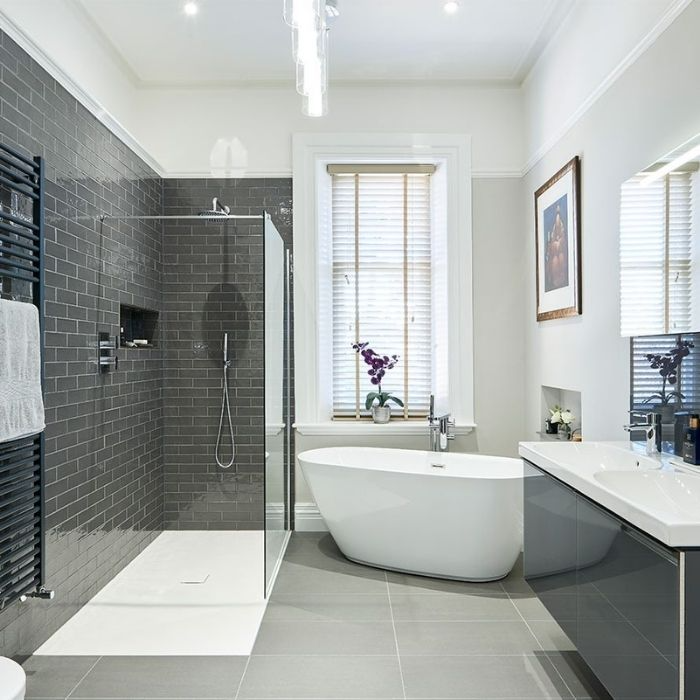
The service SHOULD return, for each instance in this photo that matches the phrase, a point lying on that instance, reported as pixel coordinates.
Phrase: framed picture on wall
(558, 244)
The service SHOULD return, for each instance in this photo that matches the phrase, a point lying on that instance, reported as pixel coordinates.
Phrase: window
(382, 282)
(656, 276)
(437, 271)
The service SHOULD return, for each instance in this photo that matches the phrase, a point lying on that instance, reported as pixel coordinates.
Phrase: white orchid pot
(381, 414)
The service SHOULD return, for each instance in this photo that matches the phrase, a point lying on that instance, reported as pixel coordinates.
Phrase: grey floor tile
(532, 608)
(523, 677)
(55, 676)
(329, 607)
(415, 607)
(550, 636)
(325, 637)
(516, 586)
(403, 584)
(637, 677)
(163, 677)
(325, 677)
(301, 579)
(464, 638)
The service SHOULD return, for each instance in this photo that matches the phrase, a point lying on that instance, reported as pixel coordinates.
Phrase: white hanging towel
(21, 402)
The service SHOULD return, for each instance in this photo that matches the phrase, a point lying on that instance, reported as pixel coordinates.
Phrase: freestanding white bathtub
(446, 515)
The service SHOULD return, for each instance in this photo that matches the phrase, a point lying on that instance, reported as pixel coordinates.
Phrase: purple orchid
(379, 365)
(668, 364)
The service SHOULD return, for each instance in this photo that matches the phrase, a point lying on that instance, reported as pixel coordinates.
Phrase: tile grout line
(75, 687)
(396, 639)
(537, 641)
(245, 669)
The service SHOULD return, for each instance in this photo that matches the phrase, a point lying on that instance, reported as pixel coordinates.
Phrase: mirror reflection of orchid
(667, 364)
(379, 365)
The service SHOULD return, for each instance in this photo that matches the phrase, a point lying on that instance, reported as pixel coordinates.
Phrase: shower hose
(225, 410)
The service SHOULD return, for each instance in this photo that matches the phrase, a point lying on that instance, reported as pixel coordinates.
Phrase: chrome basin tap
(441, 429)
(651, 428)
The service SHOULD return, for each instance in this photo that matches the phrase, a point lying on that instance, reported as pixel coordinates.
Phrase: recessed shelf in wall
(568, 399)
(137, 324)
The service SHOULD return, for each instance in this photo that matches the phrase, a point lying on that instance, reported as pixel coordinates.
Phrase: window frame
(312, 153)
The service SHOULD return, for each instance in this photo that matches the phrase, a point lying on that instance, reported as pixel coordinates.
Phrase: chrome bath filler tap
(441, 429)
(225, 410)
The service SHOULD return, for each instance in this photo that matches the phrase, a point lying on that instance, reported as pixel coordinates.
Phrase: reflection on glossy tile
(578, 676)
(522, 677)
(422, 585)
(416, 607)
(464, 638)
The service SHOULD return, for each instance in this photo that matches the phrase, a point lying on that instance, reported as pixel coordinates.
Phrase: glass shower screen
(277, 424)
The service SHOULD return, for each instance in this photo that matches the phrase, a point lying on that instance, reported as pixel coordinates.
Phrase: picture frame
(558, 244)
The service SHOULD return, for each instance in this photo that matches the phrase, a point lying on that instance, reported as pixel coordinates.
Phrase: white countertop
(659, 494)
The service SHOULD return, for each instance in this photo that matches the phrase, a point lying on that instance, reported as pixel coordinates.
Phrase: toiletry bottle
(691, 447)
(681, 421)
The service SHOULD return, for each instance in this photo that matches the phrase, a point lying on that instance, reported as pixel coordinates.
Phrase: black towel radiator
(22, 531)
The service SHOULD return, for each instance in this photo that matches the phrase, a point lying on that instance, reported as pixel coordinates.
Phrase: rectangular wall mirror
(660, 245)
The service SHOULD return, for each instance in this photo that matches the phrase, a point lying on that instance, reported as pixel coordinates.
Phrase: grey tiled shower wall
(213, 283)
(107, 484)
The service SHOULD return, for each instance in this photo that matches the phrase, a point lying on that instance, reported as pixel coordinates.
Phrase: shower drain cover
(193, 579)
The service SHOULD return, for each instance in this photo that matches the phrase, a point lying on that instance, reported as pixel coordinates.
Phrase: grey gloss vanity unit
(610, 551)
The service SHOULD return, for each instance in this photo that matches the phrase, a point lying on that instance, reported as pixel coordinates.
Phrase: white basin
(672, 492)
(659, 498)
(594, 457)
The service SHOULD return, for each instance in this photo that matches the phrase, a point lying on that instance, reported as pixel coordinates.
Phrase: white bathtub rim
(418, 462)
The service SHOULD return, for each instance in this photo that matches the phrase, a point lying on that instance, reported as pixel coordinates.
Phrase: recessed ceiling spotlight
(451, 7)
(332, 9)
(191, 9)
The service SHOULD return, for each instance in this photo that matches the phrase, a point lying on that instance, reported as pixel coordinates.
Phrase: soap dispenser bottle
(691, 446)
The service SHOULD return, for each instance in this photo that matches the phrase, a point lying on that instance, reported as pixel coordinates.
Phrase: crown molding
(613, 76)
(338, 83)
(557, 12)
(205, 174)
(86, 100)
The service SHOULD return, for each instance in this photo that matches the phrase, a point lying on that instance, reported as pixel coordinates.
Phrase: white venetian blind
(381, 238)
(656, 255)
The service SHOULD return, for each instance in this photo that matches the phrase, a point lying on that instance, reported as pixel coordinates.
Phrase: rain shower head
(217, 209)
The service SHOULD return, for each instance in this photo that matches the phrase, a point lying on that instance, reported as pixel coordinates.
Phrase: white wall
(596, 40)
(654, 106)
(264, 119)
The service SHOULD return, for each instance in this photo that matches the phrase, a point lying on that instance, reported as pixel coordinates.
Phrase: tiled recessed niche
(137, 324)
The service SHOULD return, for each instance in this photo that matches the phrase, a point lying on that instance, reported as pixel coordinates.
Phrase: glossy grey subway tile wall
(104, 476)
(213, 283)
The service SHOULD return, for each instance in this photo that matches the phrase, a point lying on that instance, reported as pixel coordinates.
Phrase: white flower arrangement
(561, 415)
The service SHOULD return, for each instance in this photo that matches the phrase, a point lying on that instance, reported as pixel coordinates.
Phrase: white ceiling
(232, 41)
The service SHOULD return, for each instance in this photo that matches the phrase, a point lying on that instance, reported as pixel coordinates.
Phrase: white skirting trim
(307, 518)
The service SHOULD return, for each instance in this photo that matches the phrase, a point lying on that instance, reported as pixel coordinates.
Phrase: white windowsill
(368, 428)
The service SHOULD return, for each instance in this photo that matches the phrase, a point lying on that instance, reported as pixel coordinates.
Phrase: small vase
(381, 414)
(667, 412)
(564, 432)
(550, 428)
